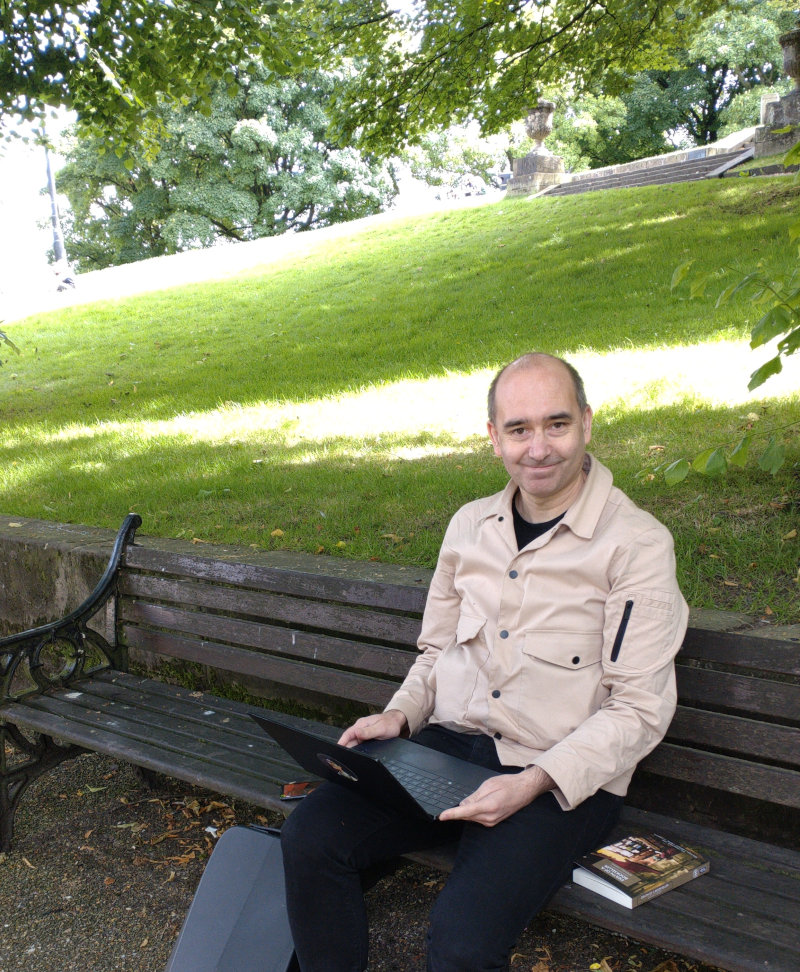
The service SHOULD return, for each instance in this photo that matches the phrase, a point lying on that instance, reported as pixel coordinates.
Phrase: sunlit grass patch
(335, 402)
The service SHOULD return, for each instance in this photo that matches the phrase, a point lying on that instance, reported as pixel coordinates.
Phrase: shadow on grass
(390, 497)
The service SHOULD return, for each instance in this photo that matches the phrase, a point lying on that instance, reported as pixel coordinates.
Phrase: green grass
(334, 402)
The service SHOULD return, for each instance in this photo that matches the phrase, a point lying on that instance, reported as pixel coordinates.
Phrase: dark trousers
(502, 876)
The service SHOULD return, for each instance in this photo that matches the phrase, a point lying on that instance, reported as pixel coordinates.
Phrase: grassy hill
(333, 401)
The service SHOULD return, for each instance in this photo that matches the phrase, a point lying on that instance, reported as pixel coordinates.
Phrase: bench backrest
(344, 641)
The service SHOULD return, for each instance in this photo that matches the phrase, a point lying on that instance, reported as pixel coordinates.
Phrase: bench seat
(212, 742)
(339, 637)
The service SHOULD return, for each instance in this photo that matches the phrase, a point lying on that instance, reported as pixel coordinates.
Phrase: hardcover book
(638, 867)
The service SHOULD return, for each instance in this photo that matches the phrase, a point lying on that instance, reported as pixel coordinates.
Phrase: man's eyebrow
(555, 417)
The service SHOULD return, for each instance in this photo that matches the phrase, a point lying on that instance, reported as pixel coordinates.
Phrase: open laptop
(396, 772)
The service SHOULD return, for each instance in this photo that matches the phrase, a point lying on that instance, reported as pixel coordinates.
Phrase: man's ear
(587, 424)
(494, 437)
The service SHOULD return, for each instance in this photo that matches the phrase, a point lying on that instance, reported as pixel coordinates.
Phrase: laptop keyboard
(428, 788)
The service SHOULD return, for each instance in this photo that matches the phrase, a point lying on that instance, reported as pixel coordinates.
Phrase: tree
(732, 52)
(713, 86)
(257, 165)
(489, 61)
(111, 61)
(598, 130)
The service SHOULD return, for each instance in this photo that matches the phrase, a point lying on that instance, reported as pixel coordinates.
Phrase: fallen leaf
(790, 535)
(728, 583)
(109, 881)
(276, 533)
(27, 863)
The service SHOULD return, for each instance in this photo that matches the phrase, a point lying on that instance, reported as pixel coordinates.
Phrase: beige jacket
(563, 651)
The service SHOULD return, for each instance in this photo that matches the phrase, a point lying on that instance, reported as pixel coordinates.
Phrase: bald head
(530, 362)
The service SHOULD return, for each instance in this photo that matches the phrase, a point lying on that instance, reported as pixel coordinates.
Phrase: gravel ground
(103, 870)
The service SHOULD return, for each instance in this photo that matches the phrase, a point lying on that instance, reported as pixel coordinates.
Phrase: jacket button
(576, 660)
(496, 694)
(498, 735)
(503, 634)
(513, 574)
(500, 519)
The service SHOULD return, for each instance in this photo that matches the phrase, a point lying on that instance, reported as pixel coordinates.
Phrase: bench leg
(22, 760)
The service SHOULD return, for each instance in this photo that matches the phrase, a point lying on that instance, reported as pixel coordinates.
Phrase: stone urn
(790, 43)
(539, 124)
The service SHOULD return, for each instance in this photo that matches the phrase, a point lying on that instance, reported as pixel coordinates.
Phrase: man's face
(540, 433)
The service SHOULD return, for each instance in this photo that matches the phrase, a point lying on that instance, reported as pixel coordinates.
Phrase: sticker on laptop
(337, 767)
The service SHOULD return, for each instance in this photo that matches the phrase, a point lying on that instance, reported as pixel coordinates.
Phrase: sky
(24, 204)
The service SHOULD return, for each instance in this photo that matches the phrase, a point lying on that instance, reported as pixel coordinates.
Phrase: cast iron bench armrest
(25, 650)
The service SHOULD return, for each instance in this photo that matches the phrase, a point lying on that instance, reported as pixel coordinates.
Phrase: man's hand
(500, 796)
(387, 725)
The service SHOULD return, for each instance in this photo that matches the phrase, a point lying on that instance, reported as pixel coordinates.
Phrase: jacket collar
(584, 514)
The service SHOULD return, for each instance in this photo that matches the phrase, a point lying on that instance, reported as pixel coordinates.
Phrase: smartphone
(298, 789)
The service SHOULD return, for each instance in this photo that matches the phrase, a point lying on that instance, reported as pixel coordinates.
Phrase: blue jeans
(502, 876)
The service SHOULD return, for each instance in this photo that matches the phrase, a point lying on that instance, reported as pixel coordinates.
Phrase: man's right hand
(387, 725)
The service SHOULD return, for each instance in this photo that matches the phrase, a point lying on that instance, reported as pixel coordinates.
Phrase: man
(547, 648)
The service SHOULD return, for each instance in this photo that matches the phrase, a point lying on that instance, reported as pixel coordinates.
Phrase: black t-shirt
(527, 532)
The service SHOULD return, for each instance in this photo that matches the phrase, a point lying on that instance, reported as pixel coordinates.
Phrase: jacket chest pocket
(570, 651)
(560, 681)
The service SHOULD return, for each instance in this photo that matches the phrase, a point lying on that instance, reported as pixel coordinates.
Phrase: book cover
(638, 867)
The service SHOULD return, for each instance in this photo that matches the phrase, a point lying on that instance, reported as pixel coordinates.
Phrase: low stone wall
(47, 569)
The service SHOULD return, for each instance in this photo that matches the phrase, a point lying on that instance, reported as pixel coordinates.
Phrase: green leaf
(792, 157)
(777, 320)
(726, 294)
(767, 370)
(773, 456)
(699, 285)
(680, 273)
(676, 472)
(741, 452)
(712, 462)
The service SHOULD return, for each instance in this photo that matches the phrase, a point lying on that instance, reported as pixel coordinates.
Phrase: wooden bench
(340, 644)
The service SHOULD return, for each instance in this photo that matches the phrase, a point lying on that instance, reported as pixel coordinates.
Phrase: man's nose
(538, 446)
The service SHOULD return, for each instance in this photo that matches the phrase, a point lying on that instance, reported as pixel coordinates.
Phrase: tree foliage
(776, 296)
(713, 86)
(490, 61)
(257, 165)
(111, 60)
(733, 51)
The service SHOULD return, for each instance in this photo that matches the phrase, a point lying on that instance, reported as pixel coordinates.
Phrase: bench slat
(214, 747)
(245, 786)
(743, 693)
(327, 681)
(362, 622)
(733, 650)
(342, 587)
(744, 737)
(725, 773)
(270, 639)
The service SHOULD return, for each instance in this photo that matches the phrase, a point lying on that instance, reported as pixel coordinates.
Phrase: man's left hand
(500, 796)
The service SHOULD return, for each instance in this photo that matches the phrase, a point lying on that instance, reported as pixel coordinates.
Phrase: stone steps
(688, 170)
